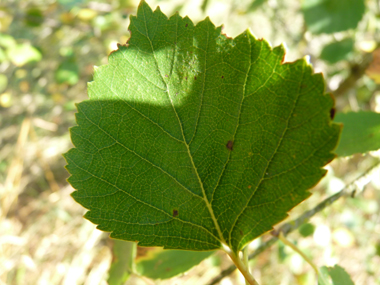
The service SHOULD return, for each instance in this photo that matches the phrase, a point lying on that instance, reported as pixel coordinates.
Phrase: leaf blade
(361, 132)
(189, 135)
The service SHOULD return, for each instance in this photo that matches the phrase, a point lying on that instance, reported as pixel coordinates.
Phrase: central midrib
(208, 205)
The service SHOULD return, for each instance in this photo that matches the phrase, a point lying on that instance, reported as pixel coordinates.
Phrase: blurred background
(48, 49)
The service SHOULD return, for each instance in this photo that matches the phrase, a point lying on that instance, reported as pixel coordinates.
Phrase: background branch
(357, 70)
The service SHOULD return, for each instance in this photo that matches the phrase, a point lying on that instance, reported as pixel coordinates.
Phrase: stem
(308, 260)
(296, 249)
(245, 260)
(241, 266)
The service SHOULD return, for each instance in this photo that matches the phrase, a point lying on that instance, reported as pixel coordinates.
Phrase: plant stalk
(296, 249)
(308, 260)
(245, 260)
(241, 266)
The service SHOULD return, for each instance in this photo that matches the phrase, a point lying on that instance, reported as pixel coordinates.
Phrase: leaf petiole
(307, 259)
(245, 260)
(243, 268)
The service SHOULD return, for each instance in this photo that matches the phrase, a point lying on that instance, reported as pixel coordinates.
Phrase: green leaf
(22, 54)
(7, 41)
(323, 276)
(337, 51)
(193, 140)
(164, 264)
(338, 275)
(255, 4)
(361, 132)
(34, 17)
(330, 16)
(306, 229)
(67, 72)
(124, 253)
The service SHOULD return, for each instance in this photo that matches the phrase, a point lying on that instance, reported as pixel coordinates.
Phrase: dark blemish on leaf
(249, 186)
(222, 76)
(332, 113)
(186, 25)
(175, 213)
(241, 232)
(168, 269)
(195, 78)
(186, 77)
(229, 145)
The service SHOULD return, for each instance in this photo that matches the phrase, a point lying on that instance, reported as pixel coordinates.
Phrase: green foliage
(22, 54)
(7, 41)
(337, 51)
(255, 4)
(330, 16)
(164, 264)
(3, 82)
(361, 132)
(306, 229)
(34, 17)
(323, 276)
(124, 253)
(191, 140)
(67, 72)
(338, 276)
(46, 88)
(18, 54)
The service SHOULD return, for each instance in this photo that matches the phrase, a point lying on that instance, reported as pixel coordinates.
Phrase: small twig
(296, 249)
(287, 228)
(307, 259)
(357, 70)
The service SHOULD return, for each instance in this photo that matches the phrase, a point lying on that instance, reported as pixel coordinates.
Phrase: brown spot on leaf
(186, 25)
(175, 213)
(195, 78)
(222, 76)
(249, 186)
(229, 145)
(332, 113)
(241, 232)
